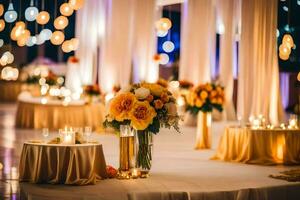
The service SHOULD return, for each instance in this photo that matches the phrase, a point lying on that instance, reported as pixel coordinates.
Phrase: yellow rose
(220, 101)
(208, 87)
(121, 105)
(203, 95)
(141, 115)
(199, 103)
(214, 101)
(213, 93)
(219, 89)
(155, 89)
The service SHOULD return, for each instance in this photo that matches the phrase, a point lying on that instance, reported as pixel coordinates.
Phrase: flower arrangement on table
(146, 107)
(201, 101)
(92, 93)
(205, 98)
(51, 79)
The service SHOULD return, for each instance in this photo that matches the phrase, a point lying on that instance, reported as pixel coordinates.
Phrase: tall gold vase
(203, 135)
(127, 151)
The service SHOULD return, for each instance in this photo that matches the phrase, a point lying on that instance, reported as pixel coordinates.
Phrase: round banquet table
(79, 164)
(31, 113)
(9, 90)
(259, 146)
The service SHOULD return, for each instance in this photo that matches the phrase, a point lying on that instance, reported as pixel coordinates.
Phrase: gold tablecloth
(37, 116)
(58, 164)
(9, 91)
(264, 146)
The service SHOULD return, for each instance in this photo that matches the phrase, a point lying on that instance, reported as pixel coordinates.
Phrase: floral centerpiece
(92, 93)
(146, 107)
(205, 98)
(201, 101)
(92, 90)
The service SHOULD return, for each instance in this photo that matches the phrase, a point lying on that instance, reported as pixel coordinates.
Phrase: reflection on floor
(176, 167)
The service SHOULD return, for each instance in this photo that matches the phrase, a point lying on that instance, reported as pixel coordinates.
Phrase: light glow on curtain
(116, 51)
(197, 41)
(90, 26)
(258, 91)
(227, 15)
(145, 15)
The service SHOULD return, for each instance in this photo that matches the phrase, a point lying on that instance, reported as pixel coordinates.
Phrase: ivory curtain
(228, 17)
(90, 26)
(258, 90)
(197, 40)
(116, 51)
(145, 39)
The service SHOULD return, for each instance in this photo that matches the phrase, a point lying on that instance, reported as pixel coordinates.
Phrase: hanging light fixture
(43, 18)
(61, 22)
(284, 49)
(10, 15)
(76, 4)
(163, 24)
(168, 46)
(75, 43)
(57, 37)
(31, 12)
(67, 46)
(1, 9)
(2, 25)
(66, 9)
(288, 40)
(46, 34)
(31, 41)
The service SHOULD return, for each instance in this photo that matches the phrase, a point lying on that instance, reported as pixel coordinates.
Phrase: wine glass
(45, 133)
(87, 132)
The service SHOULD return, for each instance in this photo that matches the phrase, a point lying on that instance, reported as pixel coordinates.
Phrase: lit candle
(255, 123)
(134, 173)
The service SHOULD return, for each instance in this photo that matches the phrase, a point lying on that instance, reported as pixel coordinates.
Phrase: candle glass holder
(45, 133)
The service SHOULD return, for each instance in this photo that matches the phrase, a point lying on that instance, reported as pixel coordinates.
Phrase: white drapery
(197, 40)
(90, 25)
(116, 51)
(145, 39)
(258, 91)
(228, 11)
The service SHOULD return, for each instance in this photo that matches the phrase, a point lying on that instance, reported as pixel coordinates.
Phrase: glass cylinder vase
(204, 137)
(144, 143)
(127, 151)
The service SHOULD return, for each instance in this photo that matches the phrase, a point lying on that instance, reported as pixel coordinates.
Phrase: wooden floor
(176, 167)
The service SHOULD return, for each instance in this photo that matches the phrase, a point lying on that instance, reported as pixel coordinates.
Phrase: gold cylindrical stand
(204, 137)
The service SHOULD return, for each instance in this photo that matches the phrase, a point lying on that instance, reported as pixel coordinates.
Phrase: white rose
(142, 93)
(171, 108)
(125, 89)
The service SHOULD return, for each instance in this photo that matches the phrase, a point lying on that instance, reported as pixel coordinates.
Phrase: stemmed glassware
(45, 133)
(87, 133)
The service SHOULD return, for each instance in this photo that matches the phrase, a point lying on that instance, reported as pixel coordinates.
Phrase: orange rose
(165, 97)
(158, 104)
(149, 98)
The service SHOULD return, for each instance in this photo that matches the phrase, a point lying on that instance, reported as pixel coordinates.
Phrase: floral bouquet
(92, 90)
(146, 107)
(92, 93)
(205, 98)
